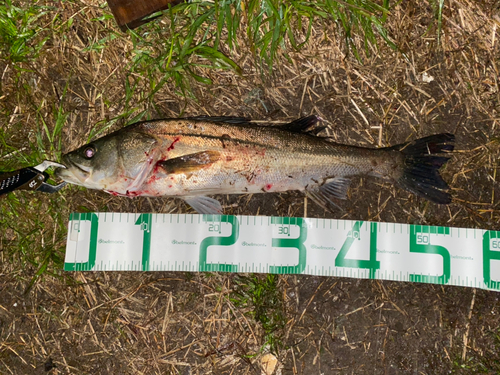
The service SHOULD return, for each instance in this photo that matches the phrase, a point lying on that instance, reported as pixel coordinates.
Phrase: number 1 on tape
(283, 245)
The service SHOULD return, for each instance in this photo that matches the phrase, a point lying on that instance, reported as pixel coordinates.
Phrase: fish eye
(89, 152)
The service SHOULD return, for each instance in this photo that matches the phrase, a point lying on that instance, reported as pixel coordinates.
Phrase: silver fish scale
(255, 159)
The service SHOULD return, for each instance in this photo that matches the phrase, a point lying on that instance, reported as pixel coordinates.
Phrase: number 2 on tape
(215, 225)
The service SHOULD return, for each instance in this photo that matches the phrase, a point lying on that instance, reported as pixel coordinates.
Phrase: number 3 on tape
(284, 224)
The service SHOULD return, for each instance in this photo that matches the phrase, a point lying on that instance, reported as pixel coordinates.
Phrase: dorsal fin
(301, 125)
(226, 119)
(304, 125)
(189, 163)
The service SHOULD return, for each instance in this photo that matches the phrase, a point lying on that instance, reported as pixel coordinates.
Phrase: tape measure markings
(327, 247)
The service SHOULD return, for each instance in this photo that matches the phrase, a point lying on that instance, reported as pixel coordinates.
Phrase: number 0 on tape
(283, 245)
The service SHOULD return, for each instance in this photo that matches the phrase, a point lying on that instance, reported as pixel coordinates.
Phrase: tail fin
(421, 170)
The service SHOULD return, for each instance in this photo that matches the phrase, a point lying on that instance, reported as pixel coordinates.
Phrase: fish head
(109, 163)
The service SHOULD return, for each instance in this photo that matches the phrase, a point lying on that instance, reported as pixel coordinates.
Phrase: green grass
(473, 365)
(192, 38)
(204, 34)
(437, 25)
(19, 31)
(274, 26)
(24, 31)
(28, 240)
(262, 296)
(438, 6)
(31, 242)
(481, 363)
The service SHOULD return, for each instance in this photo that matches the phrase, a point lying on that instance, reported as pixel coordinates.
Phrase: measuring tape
(283, 245)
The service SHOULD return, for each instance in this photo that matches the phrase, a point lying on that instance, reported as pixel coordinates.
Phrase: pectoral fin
(189, 163)
(204, 205)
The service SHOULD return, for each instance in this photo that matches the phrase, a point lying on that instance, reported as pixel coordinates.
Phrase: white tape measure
(324, 247)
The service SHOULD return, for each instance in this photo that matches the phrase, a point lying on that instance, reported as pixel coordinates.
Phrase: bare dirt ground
(216, 323)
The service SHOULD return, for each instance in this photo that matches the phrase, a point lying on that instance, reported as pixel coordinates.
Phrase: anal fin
(204, 205)
(334, 188)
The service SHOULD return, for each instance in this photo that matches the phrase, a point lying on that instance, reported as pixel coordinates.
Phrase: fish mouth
(73, 173)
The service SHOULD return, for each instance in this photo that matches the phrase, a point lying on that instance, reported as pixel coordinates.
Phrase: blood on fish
(158, 166)
(268, 187)
(134, 193)
(153, 178)
(171, 147)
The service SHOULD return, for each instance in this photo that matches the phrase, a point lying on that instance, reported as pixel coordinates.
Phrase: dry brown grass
(174, 323)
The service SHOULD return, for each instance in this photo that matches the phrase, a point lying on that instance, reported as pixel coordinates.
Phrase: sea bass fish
(192, 158)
